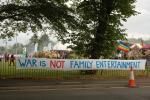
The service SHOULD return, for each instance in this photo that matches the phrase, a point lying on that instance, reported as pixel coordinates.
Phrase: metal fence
(8, 71)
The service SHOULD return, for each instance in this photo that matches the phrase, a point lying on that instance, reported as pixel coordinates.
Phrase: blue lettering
(104, 64)
(76, 65)
(90, 64)
(99, 64)
(81, 63)
(34, 62)
(43, 63)
(71, 64)
(124, 65)
(113, 64)
(138, 64)
(135, 64)
(128, 64)
(118, 64)
(108, 64)
(28, 62)
(22, 64)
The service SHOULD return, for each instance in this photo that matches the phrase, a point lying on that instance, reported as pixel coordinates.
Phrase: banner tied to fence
(79, 64)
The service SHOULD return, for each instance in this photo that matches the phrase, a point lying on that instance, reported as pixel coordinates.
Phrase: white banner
(80, 64)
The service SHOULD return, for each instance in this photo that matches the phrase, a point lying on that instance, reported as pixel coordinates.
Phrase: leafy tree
(29, 48)
(2, 49)
(34, 39)
(52, 44)
(43, 41)
(103, 20)
(32, 43)
(35, 15)
(17, 48)
(100, 22)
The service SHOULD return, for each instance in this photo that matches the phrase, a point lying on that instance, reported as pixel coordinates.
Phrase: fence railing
(9, 71)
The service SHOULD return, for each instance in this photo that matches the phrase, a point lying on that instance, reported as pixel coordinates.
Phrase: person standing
(12, 60)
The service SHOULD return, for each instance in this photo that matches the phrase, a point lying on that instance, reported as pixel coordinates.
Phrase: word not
(57, 64)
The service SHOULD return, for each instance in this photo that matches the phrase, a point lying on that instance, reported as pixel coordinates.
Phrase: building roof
(146, 46)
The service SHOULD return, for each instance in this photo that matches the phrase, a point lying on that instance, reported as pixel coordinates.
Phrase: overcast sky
(137, 26)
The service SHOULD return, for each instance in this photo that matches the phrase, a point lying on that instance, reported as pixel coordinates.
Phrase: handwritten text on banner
(80, 64)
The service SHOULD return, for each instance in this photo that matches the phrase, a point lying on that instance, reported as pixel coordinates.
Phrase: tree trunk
(103, 20)
(99, 40)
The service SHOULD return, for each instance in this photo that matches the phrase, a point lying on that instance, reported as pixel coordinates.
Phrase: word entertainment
(79, 64)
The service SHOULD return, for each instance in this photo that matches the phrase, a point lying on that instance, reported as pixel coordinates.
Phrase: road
(118, 93)
(74, 90)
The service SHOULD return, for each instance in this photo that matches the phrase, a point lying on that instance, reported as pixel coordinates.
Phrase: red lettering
(55, 64)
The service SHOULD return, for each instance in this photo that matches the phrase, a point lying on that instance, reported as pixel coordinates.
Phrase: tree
(29, 48)
(52, 43)
(34, 39)
(43, 42)
(17, 48)
(35, 15)
(2, 49)
(98, 21)
(101, 21)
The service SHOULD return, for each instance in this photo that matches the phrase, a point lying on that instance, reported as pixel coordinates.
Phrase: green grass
(11, 72)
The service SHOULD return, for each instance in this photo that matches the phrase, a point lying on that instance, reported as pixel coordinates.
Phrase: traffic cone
(131, 80)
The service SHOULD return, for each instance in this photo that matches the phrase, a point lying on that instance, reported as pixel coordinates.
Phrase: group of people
(53, 54)
(9, 58)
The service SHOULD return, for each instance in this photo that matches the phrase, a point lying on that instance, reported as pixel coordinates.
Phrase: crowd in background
(53, 54)
(10, 58)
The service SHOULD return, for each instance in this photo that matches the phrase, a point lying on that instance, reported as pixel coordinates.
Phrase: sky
(137, 26)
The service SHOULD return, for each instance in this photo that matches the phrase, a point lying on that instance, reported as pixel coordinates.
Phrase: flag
(123, 47)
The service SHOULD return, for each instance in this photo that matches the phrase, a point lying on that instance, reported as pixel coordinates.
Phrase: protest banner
(80, 64)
